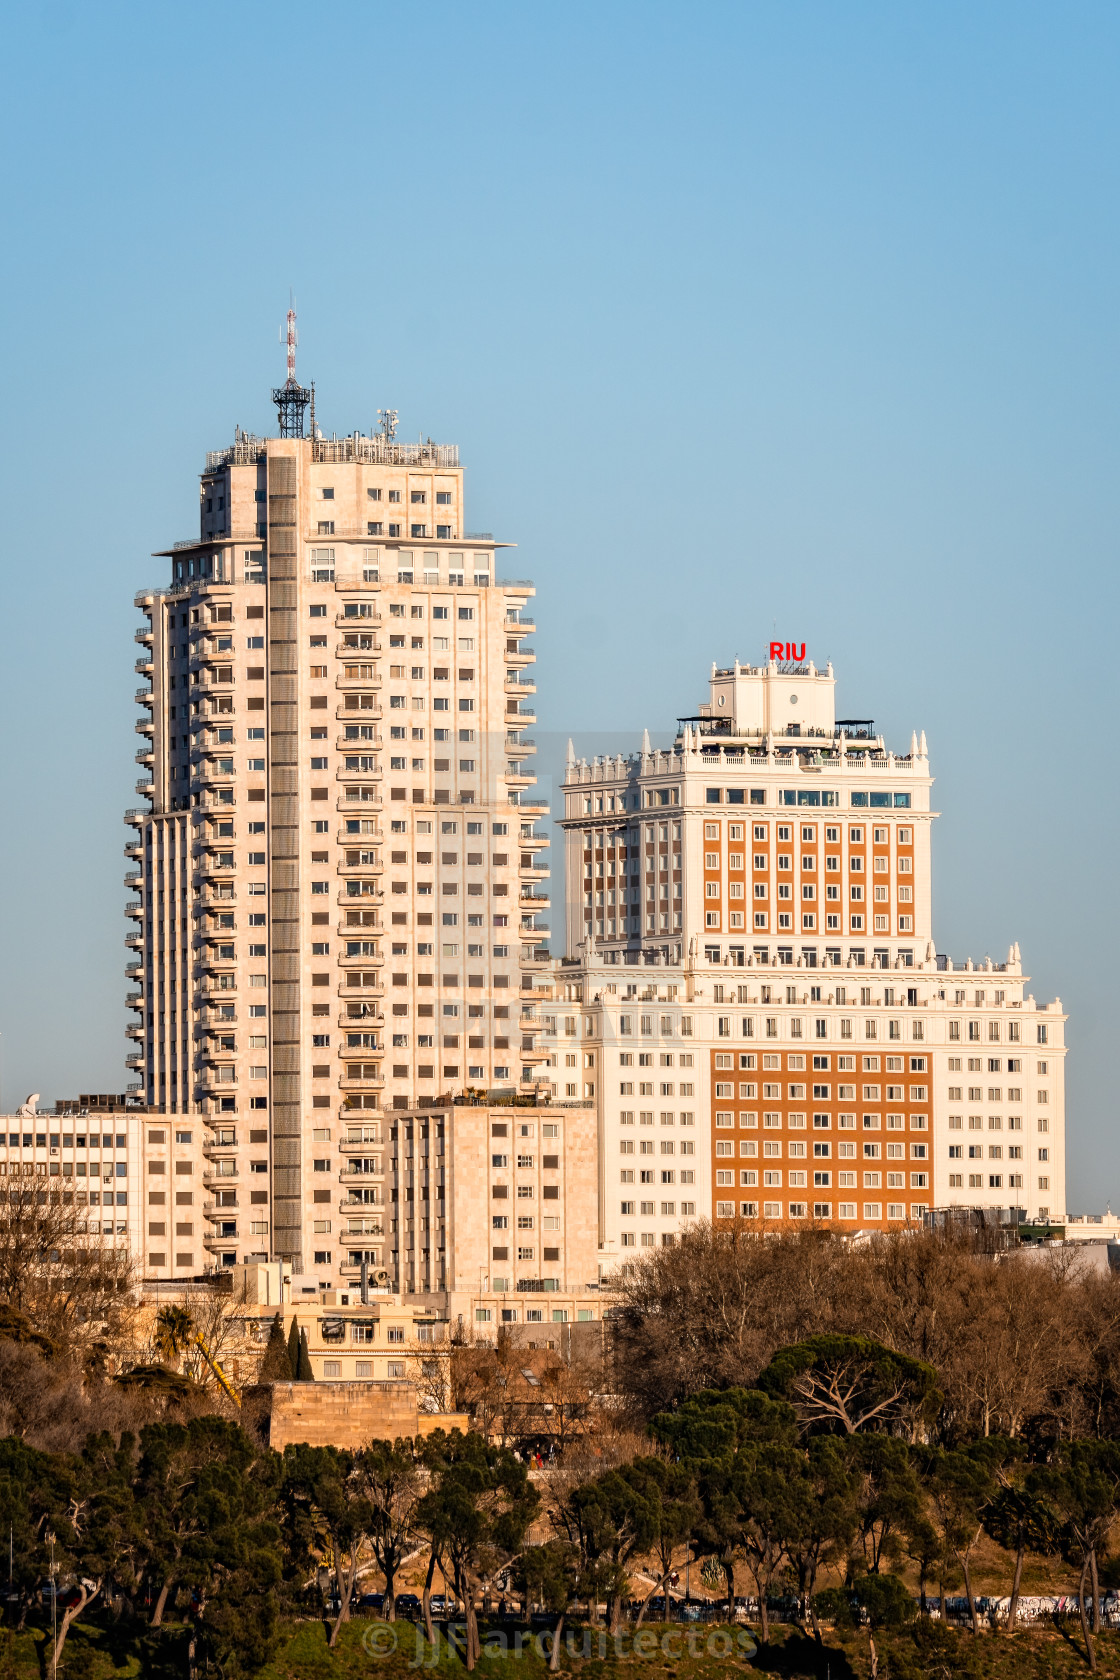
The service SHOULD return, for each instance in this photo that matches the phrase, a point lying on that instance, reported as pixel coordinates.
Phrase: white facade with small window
(769, 880)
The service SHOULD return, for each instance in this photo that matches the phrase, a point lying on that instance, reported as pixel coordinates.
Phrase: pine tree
(276, 1366)
(304, 1372)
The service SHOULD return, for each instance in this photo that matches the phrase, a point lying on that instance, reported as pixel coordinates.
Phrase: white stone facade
(339, 877)
(758, 902)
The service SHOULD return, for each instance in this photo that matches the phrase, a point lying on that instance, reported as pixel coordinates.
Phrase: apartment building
(794, 1047)
(338, 870)
(509, 1195)
(339, 979)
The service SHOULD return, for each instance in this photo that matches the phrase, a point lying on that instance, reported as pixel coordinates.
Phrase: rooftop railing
(376, 451)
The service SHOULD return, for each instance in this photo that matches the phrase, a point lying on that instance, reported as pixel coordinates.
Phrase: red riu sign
(787, 650)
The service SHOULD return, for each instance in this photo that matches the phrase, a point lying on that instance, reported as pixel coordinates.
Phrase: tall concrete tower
(338, 865)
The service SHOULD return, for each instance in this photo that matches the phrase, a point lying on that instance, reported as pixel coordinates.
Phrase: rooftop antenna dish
(388, 423)
(291, 398)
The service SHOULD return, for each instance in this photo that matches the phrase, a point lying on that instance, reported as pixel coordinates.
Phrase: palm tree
(174, 1332)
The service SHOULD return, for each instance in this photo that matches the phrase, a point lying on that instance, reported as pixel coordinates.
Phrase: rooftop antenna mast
(291, 398)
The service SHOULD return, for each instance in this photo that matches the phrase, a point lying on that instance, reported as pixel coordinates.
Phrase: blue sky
(742, 315)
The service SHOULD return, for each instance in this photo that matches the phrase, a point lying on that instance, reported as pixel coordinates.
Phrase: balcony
(359, 842)
(357, 900)
(144, 697)
(144, 666)
(134, 970)
(216, 1180)
(203, 655)
(136, 816)
(135, 1060)
(354, 747)
(375, 1083)
(135, 909)
(358, 659)
(134, 1000)
(525, 684)
(207, 772)
(375, 1018)
(209, 991)
(359, 923)
(348, 1146)
(352, 1203)
(543, 900)
(223, 892)
(354, 621)
(220, 1241)
(357, 959)
(360, 714)
(135, 1029)
(215, 1151)
(144, 636)
(363, 799)
(358, 648)
(210, 867)
(216, 1063)
(145, 787)
(134, 939)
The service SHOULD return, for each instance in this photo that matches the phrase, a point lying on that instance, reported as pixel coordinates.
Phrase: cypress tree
(293, 1349)
(304, 1372)
(276, 1366)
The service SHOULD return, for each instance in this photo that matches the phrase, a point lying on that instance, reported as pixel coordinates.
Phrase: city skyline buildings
(877, 379)
(340, 981)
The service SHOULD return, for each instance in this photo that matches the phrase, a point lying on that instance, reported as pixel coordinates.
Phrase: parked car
(443, 1604)
(409, 1605)
(372, 1601)
(655, 1609)
(67, 1597)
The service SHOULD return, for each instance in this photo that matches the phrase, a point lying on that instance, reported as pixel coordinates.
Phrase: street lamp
(54, 1612)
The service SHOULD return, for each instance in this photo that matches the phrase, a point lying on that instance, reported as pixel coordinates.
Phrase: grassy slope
(303, 1655)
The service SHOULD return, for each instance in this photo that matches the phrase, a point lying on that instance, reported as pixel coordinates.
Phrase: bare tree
(487, 1383)
(75, 1286)
(712, 1309)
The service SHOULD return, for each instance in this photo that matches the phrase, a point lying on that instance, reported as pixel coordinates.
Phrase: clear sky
(787, 314)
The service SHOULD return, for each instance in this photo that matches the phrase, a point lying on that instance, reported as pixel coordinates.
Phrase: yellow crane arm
(217, 1370)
